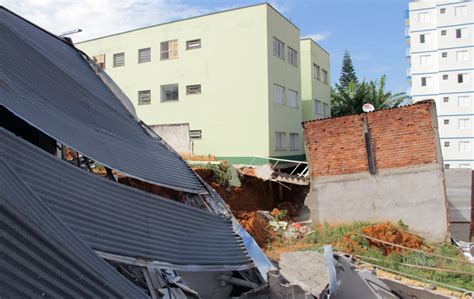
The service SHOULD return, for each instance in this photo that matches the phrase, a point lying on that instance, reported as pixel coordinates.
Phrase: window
(464, 123)
(325, 76)
(278, 48)
(443, 32)
(445, 99)
(280, 141)
(193, 44)
(446, 121)
(294, 144)
(279, 94)
(442, 10)
(292, 98)
(292, 57)
(325, 109)
(193, 89)
(446, 166)
(462, 55)
(447, 144)
(169, 49)
(119, 59)
(424, 38)
(460, 11)
(463, 78)
(464, 146)
(460, 33)
(169, 92)
(316, 72)
(317, 107)
(144, 55)
(445, 77)
(424, 81)
(464, 101)
(100, 61)
(425, 60)
(424, 17)
(444, 54)
(144, 97)
(195, 134)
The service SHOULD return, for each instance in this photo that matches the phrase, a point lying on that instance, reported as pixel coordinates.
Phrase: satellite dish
(368, 107)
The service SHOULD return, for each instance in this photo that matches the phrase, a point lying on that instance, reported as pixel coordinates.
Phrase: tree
(381, 99)
(345, 101)
(348, 73)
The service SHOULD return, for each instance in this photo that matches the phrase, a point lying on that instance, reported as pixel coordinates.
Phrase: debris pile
(389, 233)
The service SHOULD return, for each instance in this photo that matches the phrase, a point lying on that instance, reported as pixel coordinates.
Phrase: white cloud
(100, 17)
(320, 36)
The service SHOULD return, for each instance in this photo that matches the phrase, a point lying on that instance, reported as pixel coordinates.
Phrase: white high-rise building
(440, 35)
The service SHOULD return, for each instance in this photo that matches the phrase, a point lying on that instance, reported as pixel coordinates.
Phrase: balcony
(407, 32)
(408, 52)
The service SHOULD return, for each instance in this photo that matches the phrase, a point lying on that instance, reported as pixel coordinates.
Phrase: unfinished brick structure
(380, 166)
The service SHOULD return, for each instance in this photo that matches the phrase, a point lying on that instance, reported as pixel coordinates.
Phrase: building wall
(282, 117)
(176, 136)
(236, 68)
(459, 192)
(442, 72)
(408, 180)
(314, 88)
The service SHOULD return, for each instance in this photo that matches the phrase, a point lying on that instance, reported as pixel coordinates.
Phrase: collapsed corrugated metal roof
(122, 220)
(48, 83)
(41, 257)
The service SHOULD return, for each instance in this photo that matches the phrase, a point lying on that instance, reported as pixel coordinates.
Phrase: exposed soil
(390, 233)
(257, 225)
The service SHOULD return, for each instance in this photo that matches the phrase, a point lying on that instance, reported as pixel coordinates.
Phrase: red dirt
(257, 225)
(390, 233)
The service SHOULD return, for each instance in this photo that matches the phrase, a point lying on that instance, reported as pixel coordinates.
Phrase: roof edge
(190, 18)
(309, 38)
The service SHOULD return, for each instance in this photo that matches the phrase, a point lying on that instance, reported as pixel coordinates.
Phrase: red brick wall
(400, 137)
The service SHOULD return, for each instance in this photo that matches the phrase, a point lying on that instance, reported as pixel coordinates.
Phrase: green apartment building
(234, 84)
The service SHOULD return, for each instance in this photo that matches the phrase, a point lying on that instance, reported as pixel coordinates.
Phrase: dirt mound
(257, 226)
(390, 233)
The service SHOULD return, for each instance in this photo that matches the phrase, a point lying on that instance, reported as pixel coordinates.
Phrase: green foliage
(346, 101)
(348, 73)
(281, 216)
(402, 225)
(222, 173)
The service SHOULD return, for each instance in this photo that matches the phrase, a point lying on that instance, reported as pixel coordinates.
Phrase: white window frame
(464, 124)
(462, 55)
(464, 101)
(316, 71)
(144, 97)
(193, 89)
(278, 48)
(325, 76)
(294, 141)
(460, 11)
(292, 98)
(426, 60)
(144, 55)
(119, 59)
(317, 107)
(464, 76)
(280, 138)
(279, 94)
(424, 17)
(163, 92)
(193, 44)
(427, 81)
(326, 109)
(464, 146)
(292, 56)
(169, 49)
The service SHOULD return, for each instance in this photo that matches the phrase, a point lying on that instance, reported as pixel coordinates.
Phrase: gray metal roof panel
(49, 84)
(122, 220)
(41, 257)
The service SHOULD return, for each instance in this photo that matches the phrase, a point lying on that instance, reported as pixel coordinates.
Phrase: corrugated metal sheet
(121, 220)
(49, 84)
(41, 258)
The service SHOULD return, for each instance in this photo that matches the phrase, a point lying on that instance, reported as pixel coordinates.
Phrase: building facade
(234, 77)
(440, 35)
(315, 80)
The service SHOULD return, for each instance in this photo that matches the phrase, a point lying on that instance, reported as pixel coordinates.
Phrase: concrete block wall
(408, 180)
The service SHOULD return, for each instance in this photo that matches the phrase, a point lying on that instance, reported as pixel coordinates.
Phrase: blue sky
(372, 30)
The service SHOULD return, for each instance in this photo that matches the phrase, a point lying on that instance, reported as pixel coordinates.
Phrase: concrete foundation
(415, 195)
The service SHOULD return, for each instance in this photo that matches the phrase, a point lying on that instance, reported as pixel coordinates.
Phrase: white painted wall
(438, 20)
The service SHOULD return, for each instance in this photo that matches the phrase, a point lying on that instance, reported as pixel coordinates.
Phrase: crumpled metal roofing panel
(40, 257)
(49, 84)
(122, 220)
